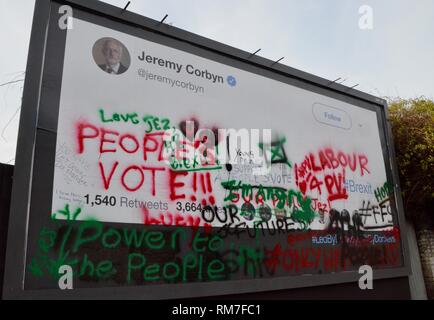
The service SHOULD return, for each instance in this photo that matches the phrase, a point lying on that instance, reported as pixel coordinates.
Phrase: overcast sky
(394, 58)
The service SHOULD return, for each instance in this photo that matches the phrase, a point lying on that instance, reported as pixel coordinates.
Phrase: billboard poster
(122, 146)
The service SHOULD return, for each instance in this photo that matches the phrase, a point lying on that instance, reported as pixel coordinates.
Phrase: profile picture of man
(111, 56)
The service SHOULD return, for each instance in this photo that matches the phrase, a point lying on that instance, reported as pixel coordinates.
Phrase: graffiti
(117, 117)
(189, 264)
(180, 188)
(189, 153)
(264, 228)
(193, 132)
(244, 157)
(259, 194)
(112, 141)
(277, 178)
(194, 148)
(66, 212)
(299, 205)
(153, 123)
(198, 184)
(135, 171)
(169, 219)
(323, 209)
(206, 219)
(222, 146)
(192, 252)
(329, 159)
(76, 241)
(384, 255)
(330, 259)
(382, 193)
(156, 123)
(73, 168)
(192, 165)
(246, 173)
(47, 240)
(309, 172)
(376, 216)
(224, 214)
(136, 176)
(292, 259)
(343, 221)
(245, 260)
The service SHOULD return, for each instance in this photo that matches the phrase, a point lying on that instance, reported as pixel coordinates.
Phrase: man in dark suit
(112, 51)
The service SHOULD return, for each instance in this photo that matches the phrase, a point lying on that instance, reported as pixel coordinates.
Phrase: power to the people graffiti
(165, 164)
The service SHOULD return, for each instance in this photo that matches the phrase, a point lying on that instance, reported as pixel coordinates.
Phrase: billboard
(168, 165)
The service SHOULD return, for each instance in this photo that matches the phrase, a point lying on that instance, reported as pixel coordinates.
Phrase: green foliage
(412, 124)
